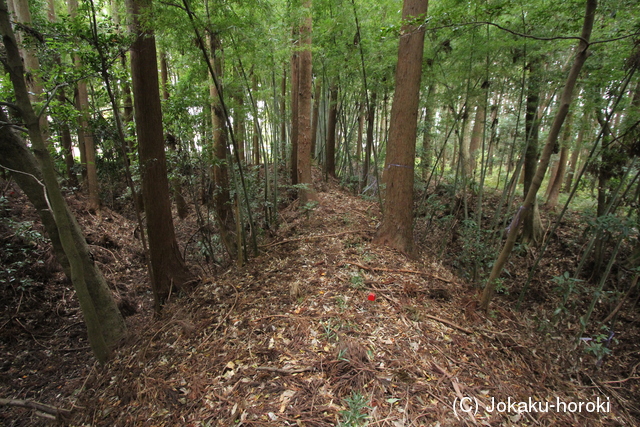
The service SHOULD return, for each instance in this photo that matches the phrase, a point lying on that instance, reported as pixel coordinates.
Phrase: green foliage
(355, 415)
(566, 286)
(357, 281)
(598, 346)
(20, 250)
(476, 254)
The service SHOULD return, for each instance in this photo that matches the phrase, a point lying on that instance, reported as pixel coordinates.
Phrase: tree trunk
(476, 137)
(67, 145)
(575, 155)
(316, 117)
(425, 155)
(368, 146)
(305, 84)
(256, 130)
(222, 203)
(554, 132)
(295, 92)
(84, 133)
(361, 119)
(396, 229)
(552, 199)
(532, 225)
(283, 114)
(168, 268)
(330, 161)
(176, 185)
(102, 330)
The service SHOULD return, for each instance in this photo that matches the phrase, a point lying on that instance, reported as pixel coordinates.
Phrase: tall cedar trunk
(176, 185)
(256, 130)
(361, 119)
(316, 116)
(31, 61)
(167, 266)
(368, 146)
(305, 84)
(493, 136)
(127, 101)
(476, 137)
(552, 199)
(575, 155)
(98, 322)
(67, 144)
(295, 91)
(330, 161)
(221, 196)
(396, 229)
(85, 138)
(89, 146)
(425, 155)
(239, 123)
(64, 131)
(559, 169)
(283, 114)
(532, 226)
(554, 132)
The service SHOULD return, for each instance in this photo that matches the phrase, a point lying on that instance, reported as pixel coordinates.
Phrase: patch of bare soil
(322, 328)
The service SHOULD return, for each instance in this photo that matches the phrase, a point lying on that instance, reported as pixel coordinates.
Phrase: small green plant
(356, 413)
(309, 207)
(566, 285)
(599, 345)
(342, 303)
(357, 281)
(331, 328)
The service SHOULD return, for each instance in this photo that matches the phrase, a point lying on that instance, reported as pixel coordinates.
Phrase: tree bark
(476, 137)
(176, 185)
(221, 195)
(84, 133)
(316, 117)
(255, 140)
(396, 229)
(425, 155)
(532, 225)
(168, 268)
(575, 155)
(368, 146)
(305, 84)
(330, 161)
(554, 132)
(295, 92)
(554, 193)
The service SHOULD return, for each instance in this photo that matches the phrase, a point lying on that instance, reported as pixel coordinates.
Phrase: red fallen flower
(371, 297)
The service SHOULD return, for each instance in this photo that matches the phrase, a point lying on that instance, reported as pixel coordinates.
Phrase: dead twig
(41, 407)
(391, 270)
(284, 371)
(449, 323)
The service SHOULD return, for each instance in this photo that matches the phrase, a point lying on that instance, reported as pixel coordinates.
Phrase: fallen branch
(449, 323)
(322, 236)
(390, 270)
(29, 404)
(284, 371)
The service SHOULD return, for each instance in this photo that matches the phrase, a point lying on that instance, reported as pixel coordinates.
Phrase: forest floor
(294, 337)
